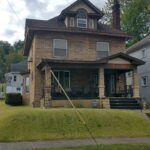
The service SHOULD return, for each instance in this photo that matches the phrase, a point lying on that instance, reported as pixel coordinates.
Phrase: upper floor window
(81, 19)
(102, 49)
(143, 53)
(144, 80)
(15, 78)
(60, 47)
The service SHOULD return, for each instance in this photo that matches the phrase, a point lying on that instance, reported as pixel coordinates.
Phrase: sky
(14, 12)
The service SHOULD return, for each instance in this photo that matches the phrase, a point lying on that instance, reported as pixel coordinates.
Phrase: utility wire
(77, 112)
(11, 7)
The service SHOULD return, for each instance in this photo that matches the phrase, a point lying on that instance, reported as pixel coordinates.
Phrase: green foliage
(108, 9)
(14, 99)
(25, 123)
(135, 19)
(8, 55)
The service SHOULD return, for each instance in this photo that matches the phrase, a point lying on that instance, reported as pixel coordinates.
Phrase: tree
(18, 45)
(136, 19)
(5, 47)
(9, 54)
(108, 9)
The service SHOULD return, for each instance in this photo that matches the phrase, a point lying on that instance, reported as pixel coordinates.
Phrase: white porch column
(135, 83)
(48, 83)
(101, 80)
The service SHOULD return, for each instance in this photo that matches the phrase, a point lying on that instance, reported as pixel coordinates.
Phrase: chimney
(116, 14)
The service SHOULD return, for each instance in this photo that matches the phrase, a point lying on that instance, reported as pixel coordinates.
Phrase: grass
(28, 124)
(108, 147)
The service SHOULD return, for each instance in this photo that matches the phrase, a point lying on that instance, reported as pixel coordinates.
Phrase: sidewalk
(69, 143)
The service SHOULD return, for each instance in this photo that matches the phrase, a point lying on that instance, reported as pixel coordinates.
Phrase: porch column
(101, 83)
(135, 83)
(47, 83)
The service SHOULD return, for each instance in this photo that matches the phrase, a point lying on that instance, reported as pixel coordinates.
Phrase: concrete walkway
(69, 143)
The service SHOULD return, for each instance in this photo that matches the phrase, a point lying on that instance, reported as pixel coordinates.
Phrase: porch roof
(88, 64)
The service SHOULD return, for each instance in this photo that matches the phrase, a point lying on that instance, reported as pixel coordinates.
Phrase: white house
(14, 79)
(141, 50)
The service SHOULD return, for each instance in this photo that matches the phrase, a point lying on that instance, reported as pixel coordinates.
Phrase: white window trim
(63, 71)
(72, 24)
(54, 49)
(92, 24)
(78, 23)
(142, 53)
(146, 81)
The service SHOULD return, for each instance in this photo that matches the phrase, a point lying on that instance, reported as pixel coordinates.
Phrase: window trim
(58, 71)
(71, 22)
(54, 48)
(92, 25)
(146, 81)
(102, 50)
(143, 56)
(82, 20)
(15, 78)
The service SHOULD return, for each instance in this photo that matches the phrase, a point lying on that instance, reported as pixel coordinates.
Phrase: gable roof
(139, 44)
(87, 2)
(133, 60)
(20, 67)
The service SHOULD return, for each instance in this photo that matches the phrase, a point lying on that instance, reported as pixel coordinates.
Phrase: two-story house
(141, 50)
(86, 56)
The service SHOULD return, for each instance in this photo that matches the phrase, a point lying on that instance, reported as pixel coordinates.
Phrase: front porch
(88, 84)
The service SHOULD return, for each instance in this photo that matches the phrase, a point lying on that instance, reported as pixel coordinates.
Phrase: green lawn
(108, 147)
(28, 124)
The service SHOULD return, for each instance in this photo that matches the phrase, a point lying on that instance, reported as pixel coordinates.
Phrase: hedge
(14, 99)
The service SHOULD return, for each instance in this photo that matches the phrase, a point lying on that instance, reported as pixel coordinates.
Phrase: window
(64, 78)
(102, 49)
(143, 53)
(71, 22)
(144, 81)
(60, 47)
(15, 78)
(81, 19)
(27, 84)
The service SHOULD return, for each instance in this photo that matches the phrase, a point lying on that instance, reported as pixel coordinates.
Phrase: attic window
(81, 19)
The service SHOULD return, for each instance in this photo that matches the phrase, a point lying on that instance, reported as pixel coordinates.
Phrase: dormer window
(81, 19)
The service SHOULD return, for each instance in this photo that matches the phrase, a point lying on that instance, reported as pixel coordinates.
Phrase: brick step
(124, 101)
(125, 107)
(124, 104)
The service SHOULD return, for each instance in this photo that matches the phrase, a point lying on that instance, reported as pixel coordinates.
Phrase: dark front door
(110, 85)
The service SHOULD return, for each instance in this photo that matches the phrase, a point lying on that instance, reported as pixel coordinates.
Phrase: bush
(14, 99)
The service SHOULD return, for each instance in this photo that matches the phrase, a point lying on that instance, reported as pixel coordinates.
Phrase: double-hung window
(102, 49)
(64, 78)
(60, 47)
(144, 81)
(81, 19)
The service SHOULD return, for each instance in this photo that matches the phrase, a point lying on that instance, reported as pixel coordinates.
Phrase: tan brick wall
(80, 47)
(77, 103)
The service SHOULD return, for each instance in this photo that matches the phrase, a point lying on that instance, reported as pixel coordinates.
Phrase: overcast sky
(14, 12)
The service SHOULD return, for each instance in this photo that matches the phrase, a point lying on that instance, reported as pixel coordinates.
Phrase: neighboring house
(14, 79)
(86, 57)
(141, 50)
